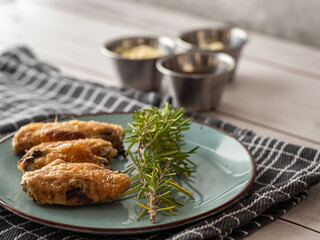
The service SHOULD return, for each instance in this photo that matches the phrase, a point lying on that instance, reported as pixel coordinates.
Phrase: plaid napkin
(31, 90)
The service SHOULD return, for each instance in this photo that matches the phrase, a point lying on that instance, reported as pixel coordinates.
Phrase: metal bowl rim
(184, 44)
(109, 53)
(168, 72)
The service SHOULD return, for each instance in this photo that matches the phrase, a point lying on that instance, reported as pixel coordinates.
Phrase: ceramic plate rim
(136, 230)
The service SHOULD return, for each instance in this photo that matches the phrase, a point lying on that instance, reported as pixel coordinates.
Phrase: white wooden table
(276, 91)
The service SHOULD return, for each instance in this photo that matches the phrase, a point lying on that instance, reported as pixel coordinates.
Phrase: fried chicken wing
(73, 184)
(36, 133)
(88, 150)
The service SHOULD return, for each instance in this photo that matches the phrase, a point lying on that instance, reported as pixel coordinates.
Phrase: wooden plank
(262, 129)
(291, 56)
(307, 213)
(79, 39)
(282, 230)
(276, 98)
(285, 54)
(80, 47)
(69, 68)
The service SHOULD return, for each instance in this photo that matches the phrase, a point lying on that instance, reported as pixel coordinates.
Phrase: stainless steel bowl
(196, 80)
(233, 40)
(138, 73)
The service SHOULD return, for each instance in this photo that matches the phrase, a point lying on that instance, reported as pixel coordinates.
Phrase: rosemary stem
(159, 138)
(151, 205)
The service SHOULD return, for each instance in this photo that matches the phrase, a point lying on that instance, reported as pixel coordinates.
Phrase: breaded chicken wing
(88, 150)
(73, 184)
(36, 133)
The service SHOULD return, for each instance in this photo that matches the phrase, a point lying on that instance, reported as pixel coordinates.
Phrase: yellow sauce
(216, 45)
(142, 52)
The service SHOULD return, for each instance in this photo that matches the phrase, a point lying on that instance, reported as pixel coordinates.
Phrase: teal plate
(225, 172)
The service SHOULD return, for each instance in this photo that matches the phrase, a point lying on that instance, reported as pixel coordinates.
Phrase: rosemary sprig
(157, 134)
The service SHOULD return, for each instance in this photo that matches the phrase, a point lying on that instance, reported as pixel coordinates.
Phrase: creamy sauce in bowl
(142, 52)
(215, 45)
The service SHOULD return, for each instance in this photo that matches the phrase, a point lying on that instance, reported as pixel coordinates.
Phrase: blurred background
(290, 19)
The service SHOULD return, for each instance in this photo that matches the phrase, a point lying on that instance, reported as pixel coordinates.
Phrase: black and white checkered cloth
(31, 90)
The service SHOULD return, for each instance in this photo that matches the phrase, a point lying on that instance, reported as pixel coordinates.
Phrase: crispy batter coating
(73, 184)
(89, 150)
(36, 133)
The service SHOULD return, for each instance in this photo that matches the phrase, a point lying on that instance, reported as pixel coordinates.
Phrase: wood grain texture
(275, 98)
(282, 230)
(262, 129)
(307, 213)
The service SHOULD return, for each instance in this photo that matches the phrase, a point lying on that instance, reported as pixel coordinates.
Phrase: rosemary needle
(157, 134)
